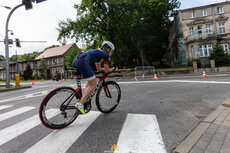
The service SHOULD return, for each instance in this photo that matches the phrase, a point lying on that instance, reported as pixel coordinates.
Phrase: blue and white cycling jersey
(82, 61)
(97, 55)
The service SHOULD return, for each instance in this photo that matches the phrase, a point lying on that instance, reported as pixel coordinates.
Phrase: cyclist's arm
(98, 67)
(106, 68)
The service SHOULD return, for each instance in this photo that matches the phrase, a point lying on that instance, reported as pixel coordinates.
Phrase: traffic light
(27, 4)
(17, 41)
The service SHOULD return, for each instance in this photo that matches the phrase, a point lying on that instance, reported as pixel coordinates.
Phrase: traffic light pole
(7, 46)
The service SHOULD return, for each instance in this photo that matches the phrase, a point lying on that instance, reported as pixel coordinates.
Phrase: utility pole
(28, 5)
(7, 46)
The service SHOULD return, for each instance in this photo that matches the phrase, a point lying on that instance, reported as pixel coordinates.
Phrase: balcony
(201, 36)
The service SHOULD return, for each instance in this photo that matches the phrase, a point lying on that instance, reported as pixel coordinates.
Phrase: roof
(204, 6)
(56, 51)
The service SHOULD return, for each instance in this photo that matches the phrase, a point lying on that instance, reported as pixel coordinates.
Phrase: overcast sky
(40, 23)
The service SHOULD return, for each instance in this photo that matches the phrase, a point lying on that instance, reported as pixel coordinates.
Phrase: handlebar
(105, 74)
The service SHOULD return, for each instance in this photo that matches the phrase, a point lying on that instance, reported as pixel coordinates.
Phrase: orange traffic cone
(204, 73)
(143, 76)
(155, 77)
(63, 80)
(32, 82)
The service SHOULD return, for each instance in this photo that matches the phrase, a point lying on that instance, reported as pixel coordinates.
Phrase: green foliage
(70, 57)
(27, 73)
(2, 58)
(199, 65)
(138, 28)
(25, 57)
(220, 56)
(35, 76)
(43, 67)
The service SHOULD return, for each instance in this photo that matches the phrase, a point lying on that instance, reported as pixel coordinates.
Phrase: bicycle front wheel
(108, 97)
(57, 110)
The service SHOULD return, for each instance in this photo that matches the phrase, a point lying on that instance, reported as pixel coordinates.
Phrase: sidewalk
(212, 135)
(12, 87)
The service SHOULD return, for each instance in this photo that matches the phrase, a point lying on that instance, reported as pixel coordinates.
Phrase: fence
(144, 72)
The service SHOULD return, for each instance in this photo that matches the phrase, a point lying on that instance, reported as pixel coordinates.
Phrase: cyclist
(82, 63)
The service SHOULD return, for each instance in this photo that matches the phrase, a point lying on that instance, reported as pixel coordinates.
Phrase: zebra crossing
(140, 133)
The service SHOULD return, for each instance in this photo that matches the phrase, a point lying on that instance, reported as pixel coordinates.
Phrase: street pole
(7, 46)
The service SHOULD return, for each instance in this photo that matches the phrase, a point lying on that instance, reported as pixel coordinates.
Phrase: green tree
(70, 57)
(25, 57)
(2, 58)
(35, 76)
(138, 28)
(43, 67)
(220, 56)
(27, 73)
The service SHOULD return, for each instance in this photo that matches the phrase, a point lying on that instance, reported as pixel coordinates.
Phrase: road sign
(38, 1)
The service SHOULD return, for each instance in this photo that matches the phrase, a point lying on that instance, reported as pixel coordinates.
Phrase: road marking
(4, 107)
(60, 140)
(32, 95)
(176, 81)
(36, 94)
(15, 112)
(140, 133)
(15, 130)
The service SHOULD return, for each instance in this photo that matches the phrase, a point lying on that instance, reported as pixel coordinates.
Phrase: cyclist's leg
(88, 90)
(87, 72)
(91, 85)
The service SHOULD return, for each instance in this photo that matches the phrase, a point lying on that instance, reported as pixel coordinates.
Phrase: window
(53, 70)
(192, 15)
(225, 48)
(199, 29)
(208, 29)
(220, 10)
(204, 12)
(222, 28)
(58, 60)
(205, 50)
(48, 62)
(53, 61)
(191, 31)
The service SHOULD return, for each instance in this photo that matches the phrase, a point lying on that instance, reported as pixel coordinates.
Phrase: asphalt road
(179, 104)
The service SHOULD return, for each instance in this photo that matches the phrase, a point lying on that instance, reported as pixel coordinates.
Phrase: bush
(221, 58)
(35, 76)
(27, 73)
(199, 65)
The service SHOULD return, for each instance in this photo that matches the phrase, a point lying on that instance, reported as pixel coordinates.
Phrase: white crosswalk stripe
(4, 107)
(139, 132)
(15, 113)
(136, 130)
(17, 129)
(60, 140)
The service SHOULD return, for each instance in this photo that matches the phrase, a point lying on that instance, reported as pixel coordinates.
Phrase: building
(196, 31)
(54, 58)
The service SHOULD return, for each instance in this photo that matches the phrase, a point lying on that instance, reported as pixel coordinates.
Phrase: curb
(16, 88)
(187, 144)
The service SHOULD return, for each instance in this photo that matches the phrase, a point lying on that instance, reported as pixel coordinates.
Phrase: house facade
(15, 67)
(197, 30)
(54, 58)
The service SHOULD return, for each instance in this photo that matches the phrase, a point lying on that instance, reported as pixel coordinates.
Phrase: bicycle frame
(79, 92)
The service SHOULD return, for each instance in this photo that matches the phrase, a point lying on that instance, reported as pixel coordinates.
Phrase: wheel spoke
(56, 98)
(108, 97)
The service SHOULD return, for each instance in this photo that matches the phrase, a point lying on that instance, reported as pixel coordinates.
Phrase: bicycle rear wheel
(108, 97)
(53, 114)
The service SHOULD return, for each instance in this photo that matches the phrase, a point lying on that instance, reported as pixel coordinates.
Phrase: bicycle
(62, 101)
